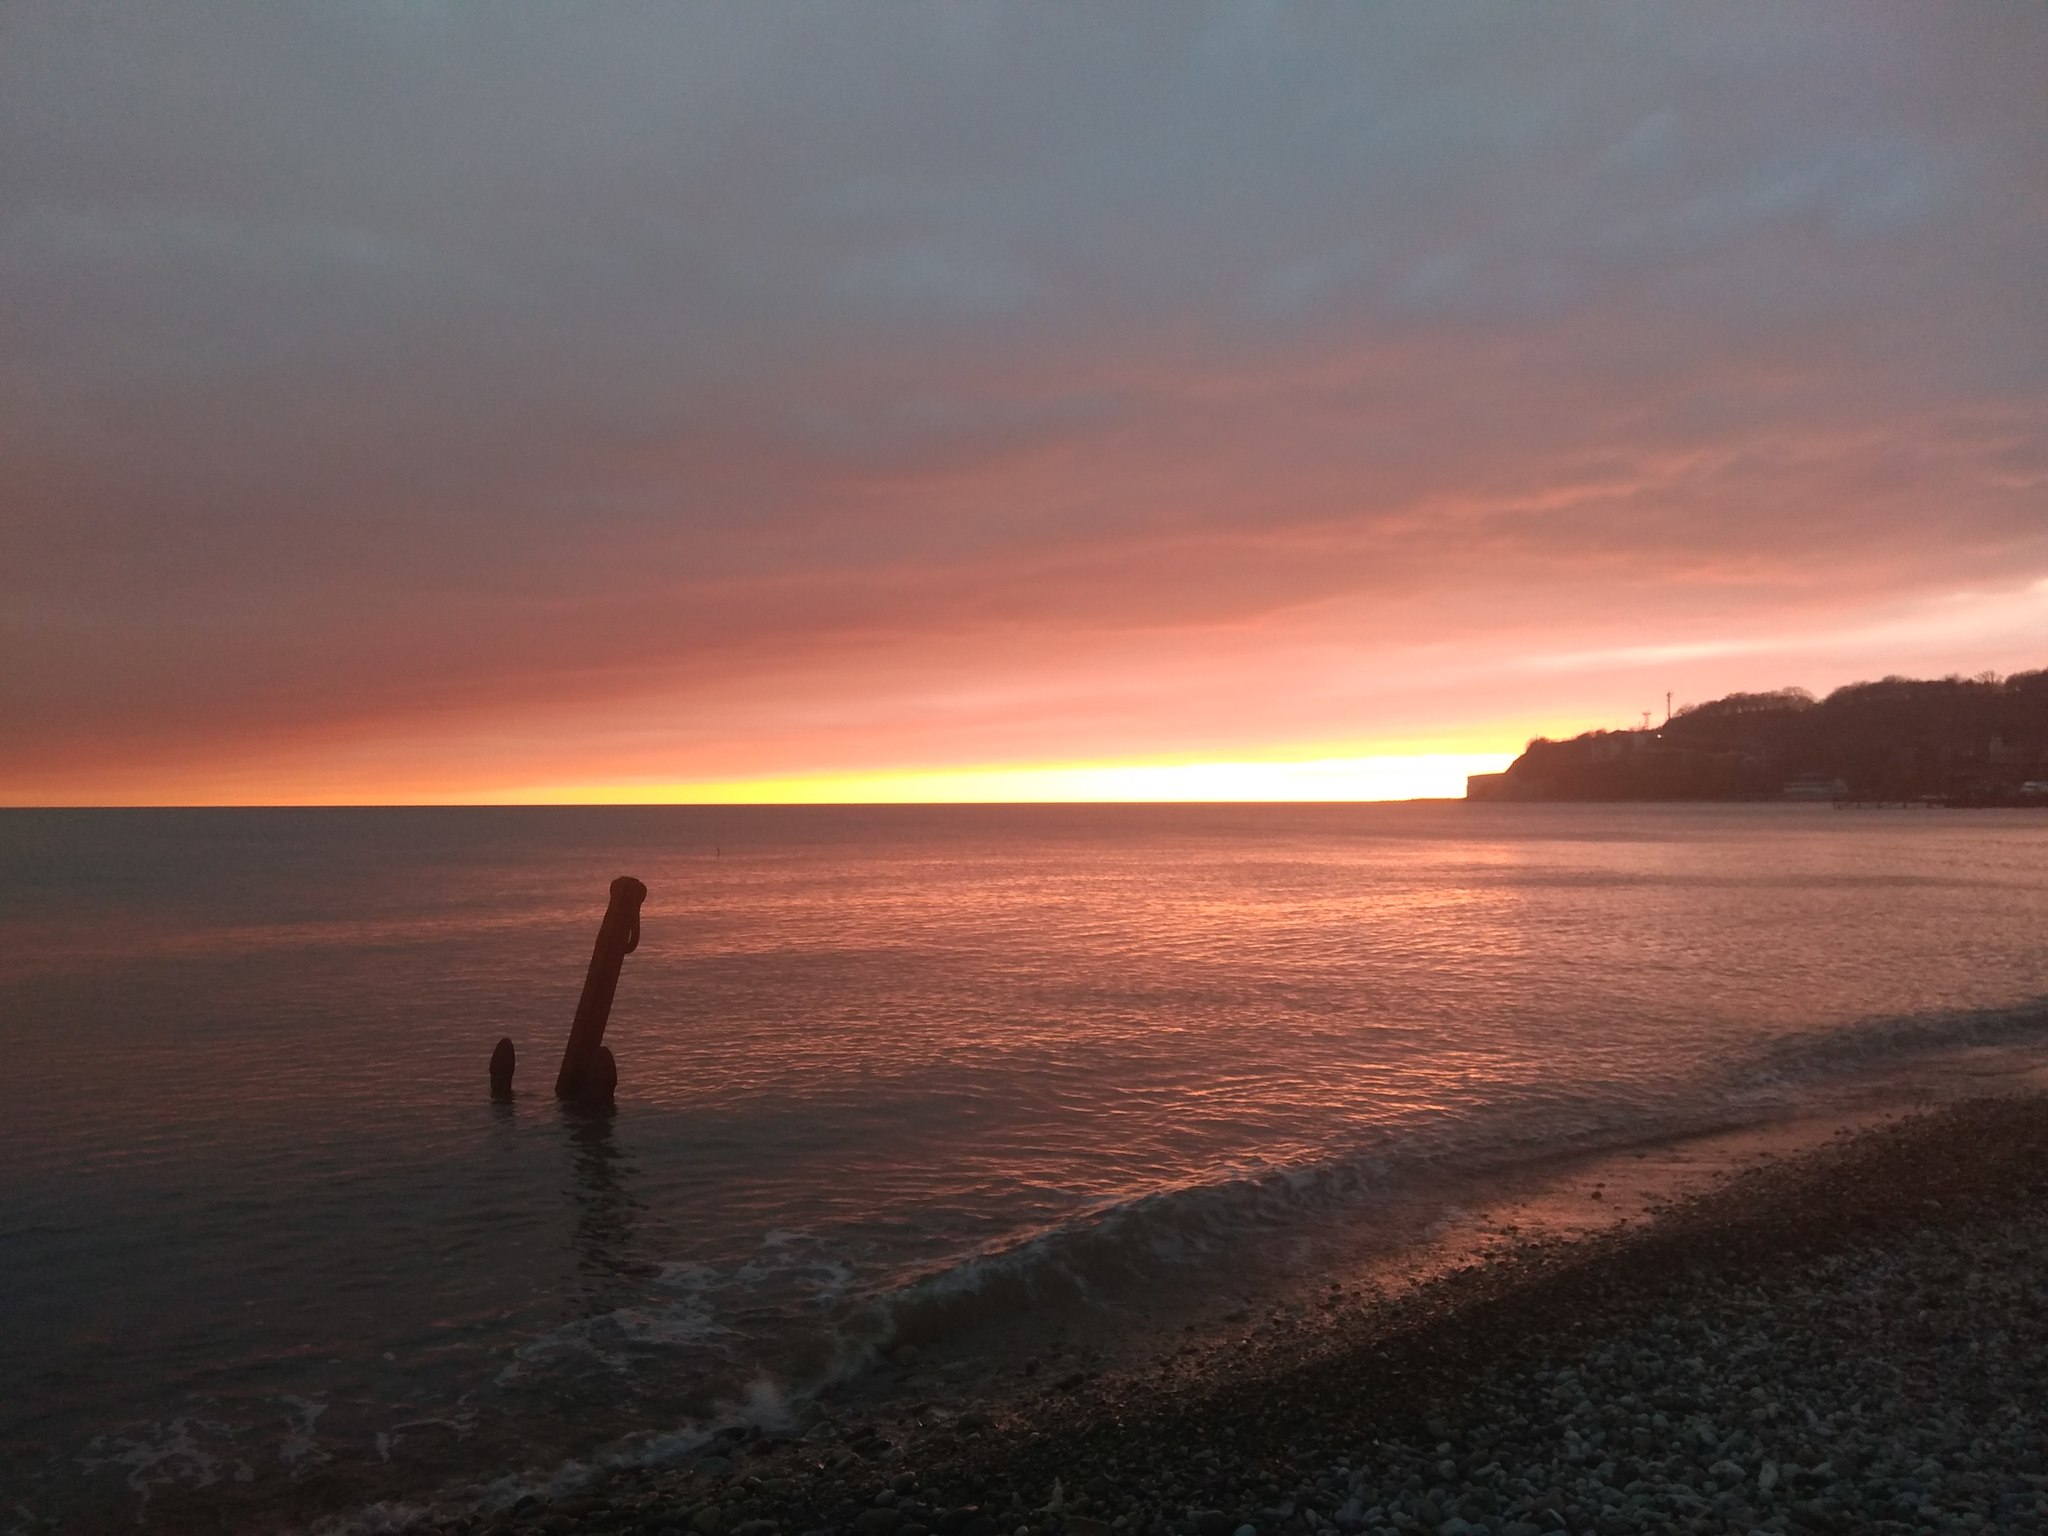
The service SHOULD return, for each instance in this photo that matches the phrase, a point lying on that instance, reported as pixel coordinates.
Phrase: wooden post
(587, 1071)
(503, 1060)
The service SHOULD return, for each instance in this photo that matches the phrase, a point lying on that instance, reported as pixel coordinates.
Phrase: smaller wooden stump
(503, 1060)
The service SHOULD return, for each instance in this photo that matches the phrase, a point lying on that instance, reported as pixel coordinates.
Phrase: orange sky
(993, 401)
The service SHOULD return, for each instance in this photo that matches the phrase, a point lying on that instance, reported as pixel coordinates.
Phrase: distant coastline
(1955, 741)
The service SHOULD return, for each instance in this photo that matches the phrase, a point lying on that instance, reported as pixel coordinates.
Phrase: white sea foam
(299, 1444)
(158, 1455)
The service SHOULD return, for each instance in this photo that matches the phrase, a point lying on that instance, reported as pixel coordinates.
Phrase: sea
(960, 1078)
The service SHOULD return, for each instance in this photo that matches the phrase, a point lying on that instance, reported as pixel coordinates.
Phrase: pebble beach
(1854, 1338)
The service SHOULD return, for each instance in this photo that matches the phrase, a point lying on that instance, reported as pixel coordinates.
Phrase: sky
(419, 402)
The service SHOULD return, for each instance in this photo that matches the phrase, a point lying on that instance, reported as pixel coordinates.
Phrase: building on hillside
(1486, 786)
(1815, 786)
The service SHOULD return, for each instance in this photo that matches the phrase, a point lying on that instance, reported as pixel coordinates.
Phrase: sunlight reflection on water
(859, 1046)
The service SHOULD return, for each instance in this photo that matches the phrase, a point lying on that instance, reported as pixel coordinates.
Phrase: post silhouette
(503, 1060)
(588, 1072)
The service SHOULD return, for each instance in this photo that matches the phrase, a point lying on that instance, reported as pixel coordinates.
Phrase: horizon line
(699, 805)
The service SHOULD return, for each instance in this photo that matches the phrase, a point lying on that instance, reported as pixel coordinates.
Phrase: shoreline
(1010, 1375)
(1414, 1237)
(1565, 1353)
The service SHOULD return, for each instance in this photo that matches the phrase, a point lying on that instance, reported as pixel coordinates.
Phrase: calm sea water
(886, 1074)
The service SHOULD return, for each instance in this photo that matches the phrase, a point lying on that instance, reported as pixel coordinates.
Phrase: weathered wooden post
(588, 1071)
(503, 1060)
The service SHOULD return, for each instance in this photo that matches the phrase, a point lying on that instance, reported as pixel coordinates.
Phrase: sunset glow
(1420, 776)
(1183, 402)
